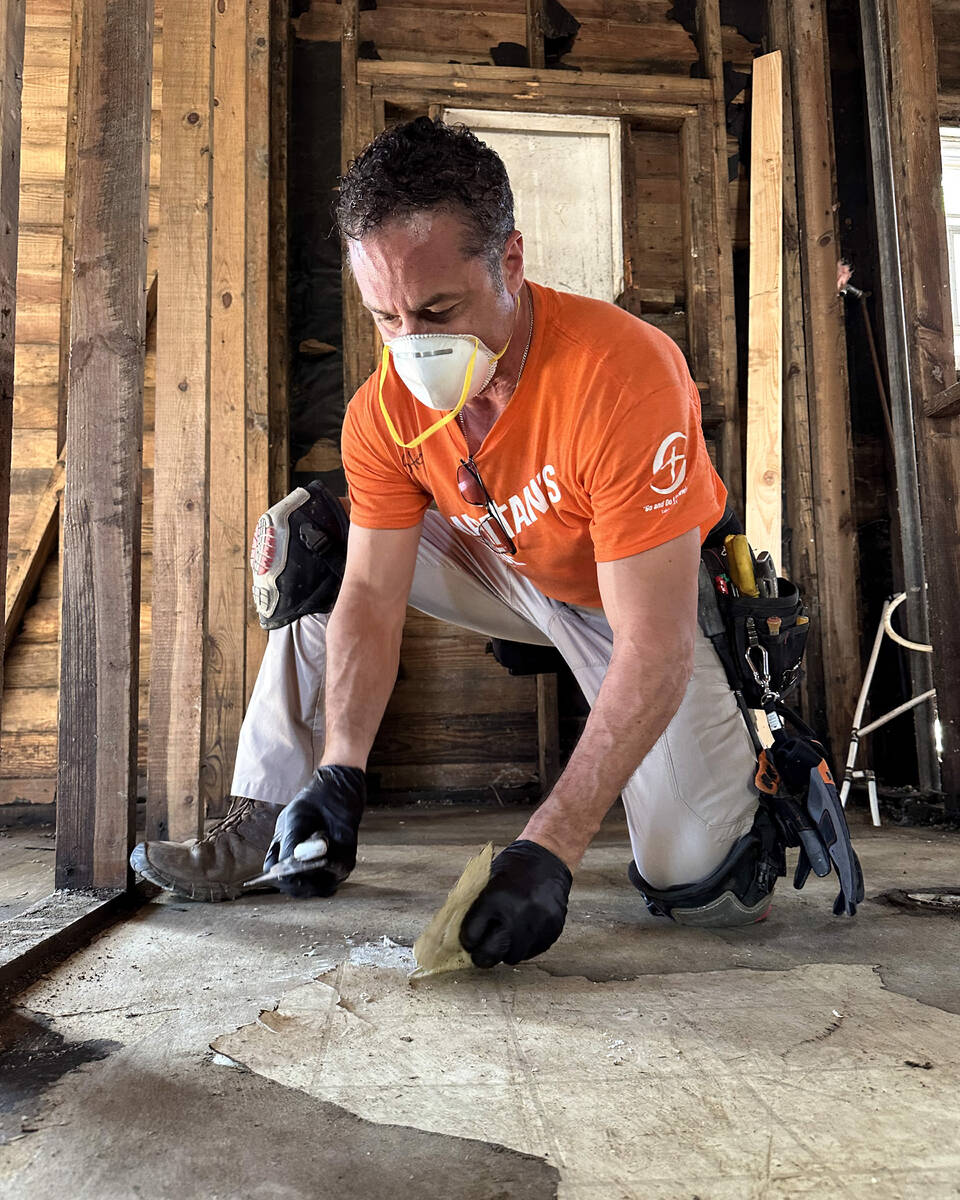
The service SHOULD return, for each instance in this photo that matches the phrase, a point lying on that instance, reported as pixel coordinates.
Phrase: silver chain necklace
(523, 363)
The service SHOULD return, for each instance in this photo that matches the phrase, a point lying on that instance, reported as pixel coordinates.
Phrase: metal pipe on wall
(875, 61)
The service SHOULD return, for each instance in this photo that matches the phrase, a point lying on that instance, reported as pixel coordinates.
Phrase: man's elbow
(359, 608)
(668, 670)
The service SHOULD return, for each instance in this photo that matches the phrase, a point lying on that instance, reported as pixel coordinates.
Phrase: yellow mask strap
(453, 413)
(445, 420)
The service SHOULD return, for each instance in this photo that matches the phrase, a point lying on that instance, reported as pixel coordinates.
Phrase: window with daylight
(950, 152)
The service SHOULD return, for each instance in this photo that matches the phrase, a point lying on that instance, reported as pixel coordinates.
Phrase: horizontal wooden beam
(527, 83)
(949, 104)
(945, 403)
(653, 115)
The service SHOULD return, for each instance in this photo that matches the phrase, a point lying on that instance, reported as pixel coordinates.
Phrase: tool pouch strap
(745, 618)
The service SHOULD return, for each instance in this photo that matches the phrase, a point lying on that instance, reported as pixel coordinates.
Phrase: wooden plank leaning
(800, 549)
(257, 268)
(764, 477)
(100, 614)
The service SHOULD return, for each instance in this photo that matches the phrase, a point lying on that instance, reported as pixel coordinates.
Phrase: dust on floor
(807, 1055)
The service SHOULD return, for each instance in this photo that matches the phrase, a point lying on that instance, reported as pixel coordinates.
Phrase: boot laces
(240, 809)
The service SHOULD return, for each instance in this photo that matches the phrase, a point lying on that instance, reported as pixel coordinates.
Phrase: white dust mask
(442, 370)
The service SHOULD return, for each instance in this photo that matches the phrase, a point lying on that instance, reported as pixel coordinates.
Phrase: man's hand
(521, 911)
(330, 806)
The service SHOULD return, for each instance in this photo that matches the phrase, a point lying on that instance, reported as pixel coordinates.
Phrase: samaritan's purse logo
(670, 456)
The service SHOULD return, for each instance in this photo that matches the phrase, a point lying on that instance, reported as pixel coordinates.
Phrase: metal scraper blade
(306, 857)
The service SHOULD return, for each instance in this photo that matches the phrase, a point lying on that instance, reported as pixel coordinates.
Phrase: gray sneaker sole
(208, 893)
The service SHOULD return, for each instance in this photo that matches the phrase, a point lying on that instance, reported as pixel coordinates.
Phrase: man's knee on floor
(737, 892)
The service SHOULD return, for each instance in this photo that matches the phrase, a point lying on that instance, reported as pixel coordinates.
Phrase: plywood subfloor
(803, 1056)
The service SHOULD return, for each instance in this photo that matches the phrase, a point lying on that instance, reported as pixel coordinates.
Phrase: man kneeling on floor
(560, 440)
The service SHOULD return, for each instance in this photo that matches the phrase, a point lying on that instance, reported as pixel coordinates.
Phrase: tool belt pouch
(748, 623)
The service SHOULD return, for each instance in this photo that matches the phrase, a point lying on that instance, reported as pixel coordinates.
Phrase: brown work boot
(216, 866)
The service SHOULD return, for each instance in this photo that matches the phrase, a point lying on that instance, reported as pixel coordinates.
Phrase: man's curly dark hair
(428, 166)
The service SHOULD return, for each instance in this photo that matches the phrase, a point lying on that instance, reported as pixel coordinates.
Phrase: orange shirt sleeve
(651, 479)
(382, 494)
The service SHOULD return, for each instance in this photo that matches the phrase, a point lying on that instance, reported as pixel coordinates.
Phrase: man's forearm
(362, 658)
(626, 720)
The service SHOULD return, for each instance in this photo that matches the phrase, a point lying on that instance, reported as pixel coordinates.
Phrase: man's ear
(512, 263)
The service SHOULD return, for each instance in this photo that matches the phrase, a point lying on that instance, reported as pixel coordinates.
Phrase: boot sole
(209, 893)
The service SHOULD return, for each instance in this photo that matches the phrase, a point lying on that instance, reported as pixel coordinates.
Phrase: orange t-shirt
(599, 454)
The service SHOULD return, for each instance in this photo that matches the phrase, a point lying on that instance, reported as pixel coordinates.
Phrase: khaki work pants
(687, 803)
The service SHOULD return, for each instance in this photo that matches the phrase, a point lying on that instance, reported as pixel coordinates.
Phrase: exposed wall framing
(100, 603)
(684, 108)
(679, 275)
(221, 444)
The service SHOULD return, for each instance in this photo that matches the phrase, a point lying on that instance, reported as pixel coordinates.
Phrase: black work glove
(521, 911)
(330, 806)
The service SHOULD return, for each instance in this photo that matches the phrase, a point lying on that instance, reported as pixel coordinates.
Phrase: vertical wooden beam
(548, 732)
(368, 338)
(279, 334)
(257, 236)
(764, 477)
(228, 584)
(11, 83)
(100, 617)
(827, 384)
(907, 522)
(696, 221)
(354, 318)
(69, 218)
(182, 404)
(724, 319)
(915, 146)
(800, 548)
(536, 50)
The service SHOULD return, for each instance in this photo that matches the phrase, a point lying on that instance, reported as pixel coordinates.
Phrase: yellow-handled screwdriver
(740, 563)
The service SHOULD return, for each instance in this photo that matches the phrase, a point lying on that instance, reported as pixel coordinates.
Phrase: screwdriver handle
(741, 564)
